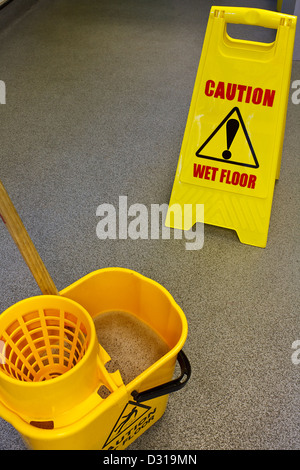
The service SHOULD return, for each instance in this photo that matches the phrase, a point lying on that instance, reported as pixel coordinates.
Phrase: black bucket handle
(168, 387)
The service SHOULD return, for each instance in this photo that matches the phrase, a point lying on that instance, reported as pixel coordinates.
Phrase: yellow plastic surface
(67, 412)
(231, 150)
(50, 363)
(45, 337)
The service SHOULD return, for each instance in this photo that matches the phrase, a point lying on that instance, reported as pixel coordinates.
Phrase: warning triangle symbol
(131, 413)
(230, 143)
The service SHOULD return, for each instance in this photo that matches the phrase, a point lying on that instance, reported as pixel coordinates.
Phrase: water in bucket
(132, 345)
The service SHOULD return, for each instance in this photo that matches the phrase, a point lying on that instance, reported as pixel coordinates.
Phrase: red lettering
(228, 177)
(231, 91)
(207, 173)
(241, 89)
(269, 97)
(209, 87)
(235, 178)
(241, 93)
(251, 182)
(257, 95)
(243, 179)
(220, 91)
(248, 95)
(198, 170)
(214, 171)
(223, 174)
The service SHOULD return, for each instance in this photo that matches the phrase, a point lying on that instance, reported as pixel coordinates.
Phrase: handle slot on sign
(254, 20)
(251, 33)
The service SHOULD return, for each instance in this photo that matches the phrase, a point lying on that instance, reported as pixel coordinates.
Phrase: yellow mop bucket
(56, 386)
(52, 372)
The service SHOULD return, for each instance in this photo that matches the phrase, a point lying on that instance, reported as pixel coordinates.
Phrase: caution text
(242, 93)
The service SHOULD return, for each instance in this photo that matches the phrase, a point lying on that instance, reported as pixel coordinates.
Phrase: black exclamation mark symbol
(231, 129)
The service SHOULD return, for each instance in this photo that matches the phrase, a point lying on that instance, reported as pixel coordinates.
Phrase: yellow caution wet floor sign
(231, 149)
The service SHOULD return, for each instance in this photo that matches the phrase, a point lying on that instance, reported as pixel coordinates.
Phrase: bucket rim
(65, 292)
(172, 353)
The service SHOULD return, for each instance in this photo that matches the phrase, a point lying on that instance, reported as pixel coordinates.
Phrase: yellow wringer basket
(43, 338)
(49, 362)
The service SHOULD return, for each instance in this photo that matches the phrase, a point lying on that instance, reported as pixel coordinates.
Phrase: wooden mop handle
(19, 234)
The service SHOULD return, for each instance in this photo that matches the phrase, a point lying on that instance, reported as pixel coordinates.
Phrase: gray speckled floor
(97, 99)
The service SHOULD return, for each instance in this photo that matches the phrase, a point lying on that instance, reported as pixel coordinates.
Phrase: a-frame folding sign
(231, 149)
